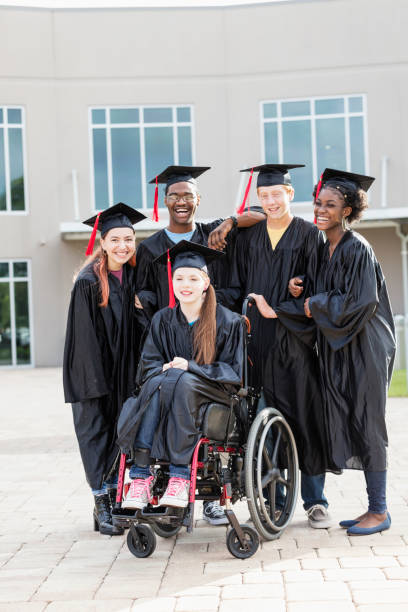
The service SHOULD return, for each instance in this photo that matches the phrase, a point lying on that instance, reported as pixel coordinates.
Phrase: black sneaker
(214, 514)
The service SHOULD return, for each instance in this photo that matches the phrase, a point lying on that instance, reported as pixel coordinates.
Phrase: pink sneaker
(176, 493)
(140, 493)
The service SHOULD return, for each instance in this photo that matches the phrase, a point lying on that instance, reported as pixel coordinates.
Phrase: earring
(344, 223)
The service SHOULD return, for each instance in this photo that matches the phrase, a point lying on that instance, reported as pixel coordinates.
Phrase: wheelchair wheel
(164, 530)
(141, 541)
(271, 472)
(235, 547)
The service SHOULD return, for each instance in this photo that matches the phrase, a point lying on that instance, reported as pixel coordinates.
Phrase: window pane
(357, 145)
(126, 173)
(330, 144)
(158, 115)
(271, 143)
(20, 268)
(3, 201)
(16, 168)
(1, 115)
(159, 155)
(14, 115)
(297, 146)
(4, 269)
(100, 169)
(124, 115)
(22, 323)
(270, 110)
(183, 114)
(329, 107)
(293, 109)
(356, 104)
(5, 325)
(98, 115)
(184, 146)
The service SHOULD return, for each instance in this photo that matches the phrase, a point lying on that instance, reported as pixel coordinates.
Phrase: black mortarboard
(269, 175)
(186, 254)
(360, 180)
(175, 174)
(119, 215)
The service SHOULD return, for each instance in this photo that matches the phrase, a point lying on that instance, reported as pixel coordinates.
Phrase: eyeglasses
(187, 197)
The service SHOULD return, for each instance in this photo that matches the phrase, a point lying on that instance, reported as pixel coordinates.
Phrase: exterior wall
(223, 61)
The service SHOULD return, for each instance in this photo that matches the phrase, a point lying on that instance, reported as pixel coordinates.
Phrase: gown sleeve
(340, 314)
(227, 369)
(145, 282)
(83, 371)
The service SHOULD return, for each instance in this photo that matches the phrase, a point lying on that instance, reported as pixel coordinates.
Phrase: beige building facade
(94, 101)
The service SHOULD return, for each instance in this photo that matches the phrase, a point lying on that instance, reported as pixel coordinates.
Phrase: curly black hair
(352, 195)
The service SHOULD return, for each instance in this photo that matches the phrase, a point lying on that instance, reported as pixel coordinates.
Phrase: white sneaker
(214, 514)
(140, 493)
(177, 493)
(318, 517)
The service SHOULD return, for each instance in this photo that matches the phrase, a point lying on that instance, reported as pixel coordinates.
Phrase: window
(12, 165)
(130, 146)
(15, 313)
(318, 132)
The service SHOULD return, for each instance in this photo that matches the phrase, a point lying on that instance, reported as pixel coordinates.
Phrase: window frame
(140, 124)
(12, 280)
(312, 117)
(6, 125)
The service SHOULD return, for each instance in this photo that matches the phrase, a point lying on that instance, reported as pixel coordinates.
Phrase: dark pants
(95, 428)
(376, 491)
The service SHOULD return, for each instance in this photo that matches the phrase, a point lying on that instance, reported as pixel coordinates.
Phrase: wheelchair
(242, 454)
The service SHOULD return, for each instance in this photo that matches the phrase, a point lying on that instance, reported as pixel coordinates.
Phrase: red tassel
(89, 249)
(318, 188)
(156, 203)
(248, 187)
(172, 301)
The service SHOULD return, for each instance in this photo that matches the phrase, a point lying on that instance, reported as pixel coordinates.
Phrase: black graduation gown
(183, 394)
(284, 364)
(99, 367)
(356, 344)
(151, 279)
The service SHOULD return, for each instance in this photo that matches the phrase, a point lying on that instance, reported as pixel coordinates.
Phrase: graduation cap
(361, 181)
(119, 215)
(269, 175)
(175, 174)
(186, 254)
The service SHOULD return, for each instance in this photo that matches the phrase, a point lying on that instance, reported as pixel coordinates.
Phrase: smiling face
(119, 244)
(182, 210)
(275, 200)
(189, 285)
(329, 209)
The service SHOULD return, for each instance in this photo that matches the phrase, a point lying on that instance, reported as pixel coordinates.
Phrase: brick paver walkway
(50, 559)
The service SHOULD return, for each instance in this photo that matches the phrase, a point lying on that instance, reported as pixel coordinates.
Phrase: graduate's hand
(217, 238)
(138, 303)
(180, 363)
(263, 306)
(295, 286)
(166, 366)
(307, 309)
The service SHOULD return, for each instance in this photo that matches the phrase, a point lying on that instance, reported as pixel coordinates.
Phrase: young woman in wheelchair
(192, 357)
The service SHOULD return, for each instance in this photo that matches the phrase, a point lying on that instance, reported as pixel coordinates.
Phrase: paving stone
(326, 591)
(356, 573)
(320, 564)
(396, 573)
(383, 596)
(321, 606)
(251, 591)
(262, 578)
(350, 551)
(260, 605)
(158, 604)
(29, 606)
(112, 605)
(303, 576)
(187, 604)
(387, 607)
(374, 561)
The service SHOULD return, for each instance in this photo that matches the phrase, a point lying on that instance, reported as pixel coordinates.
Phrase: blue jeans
(111, 484)
(376, 490)
(144, 439)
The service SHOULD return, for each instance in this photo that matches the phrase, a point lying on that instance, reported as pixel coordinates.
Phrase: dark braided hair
(352, 195)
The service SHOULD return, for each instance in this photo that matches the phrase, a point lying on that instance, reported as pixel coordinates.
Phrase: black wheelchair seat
(219, 423)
